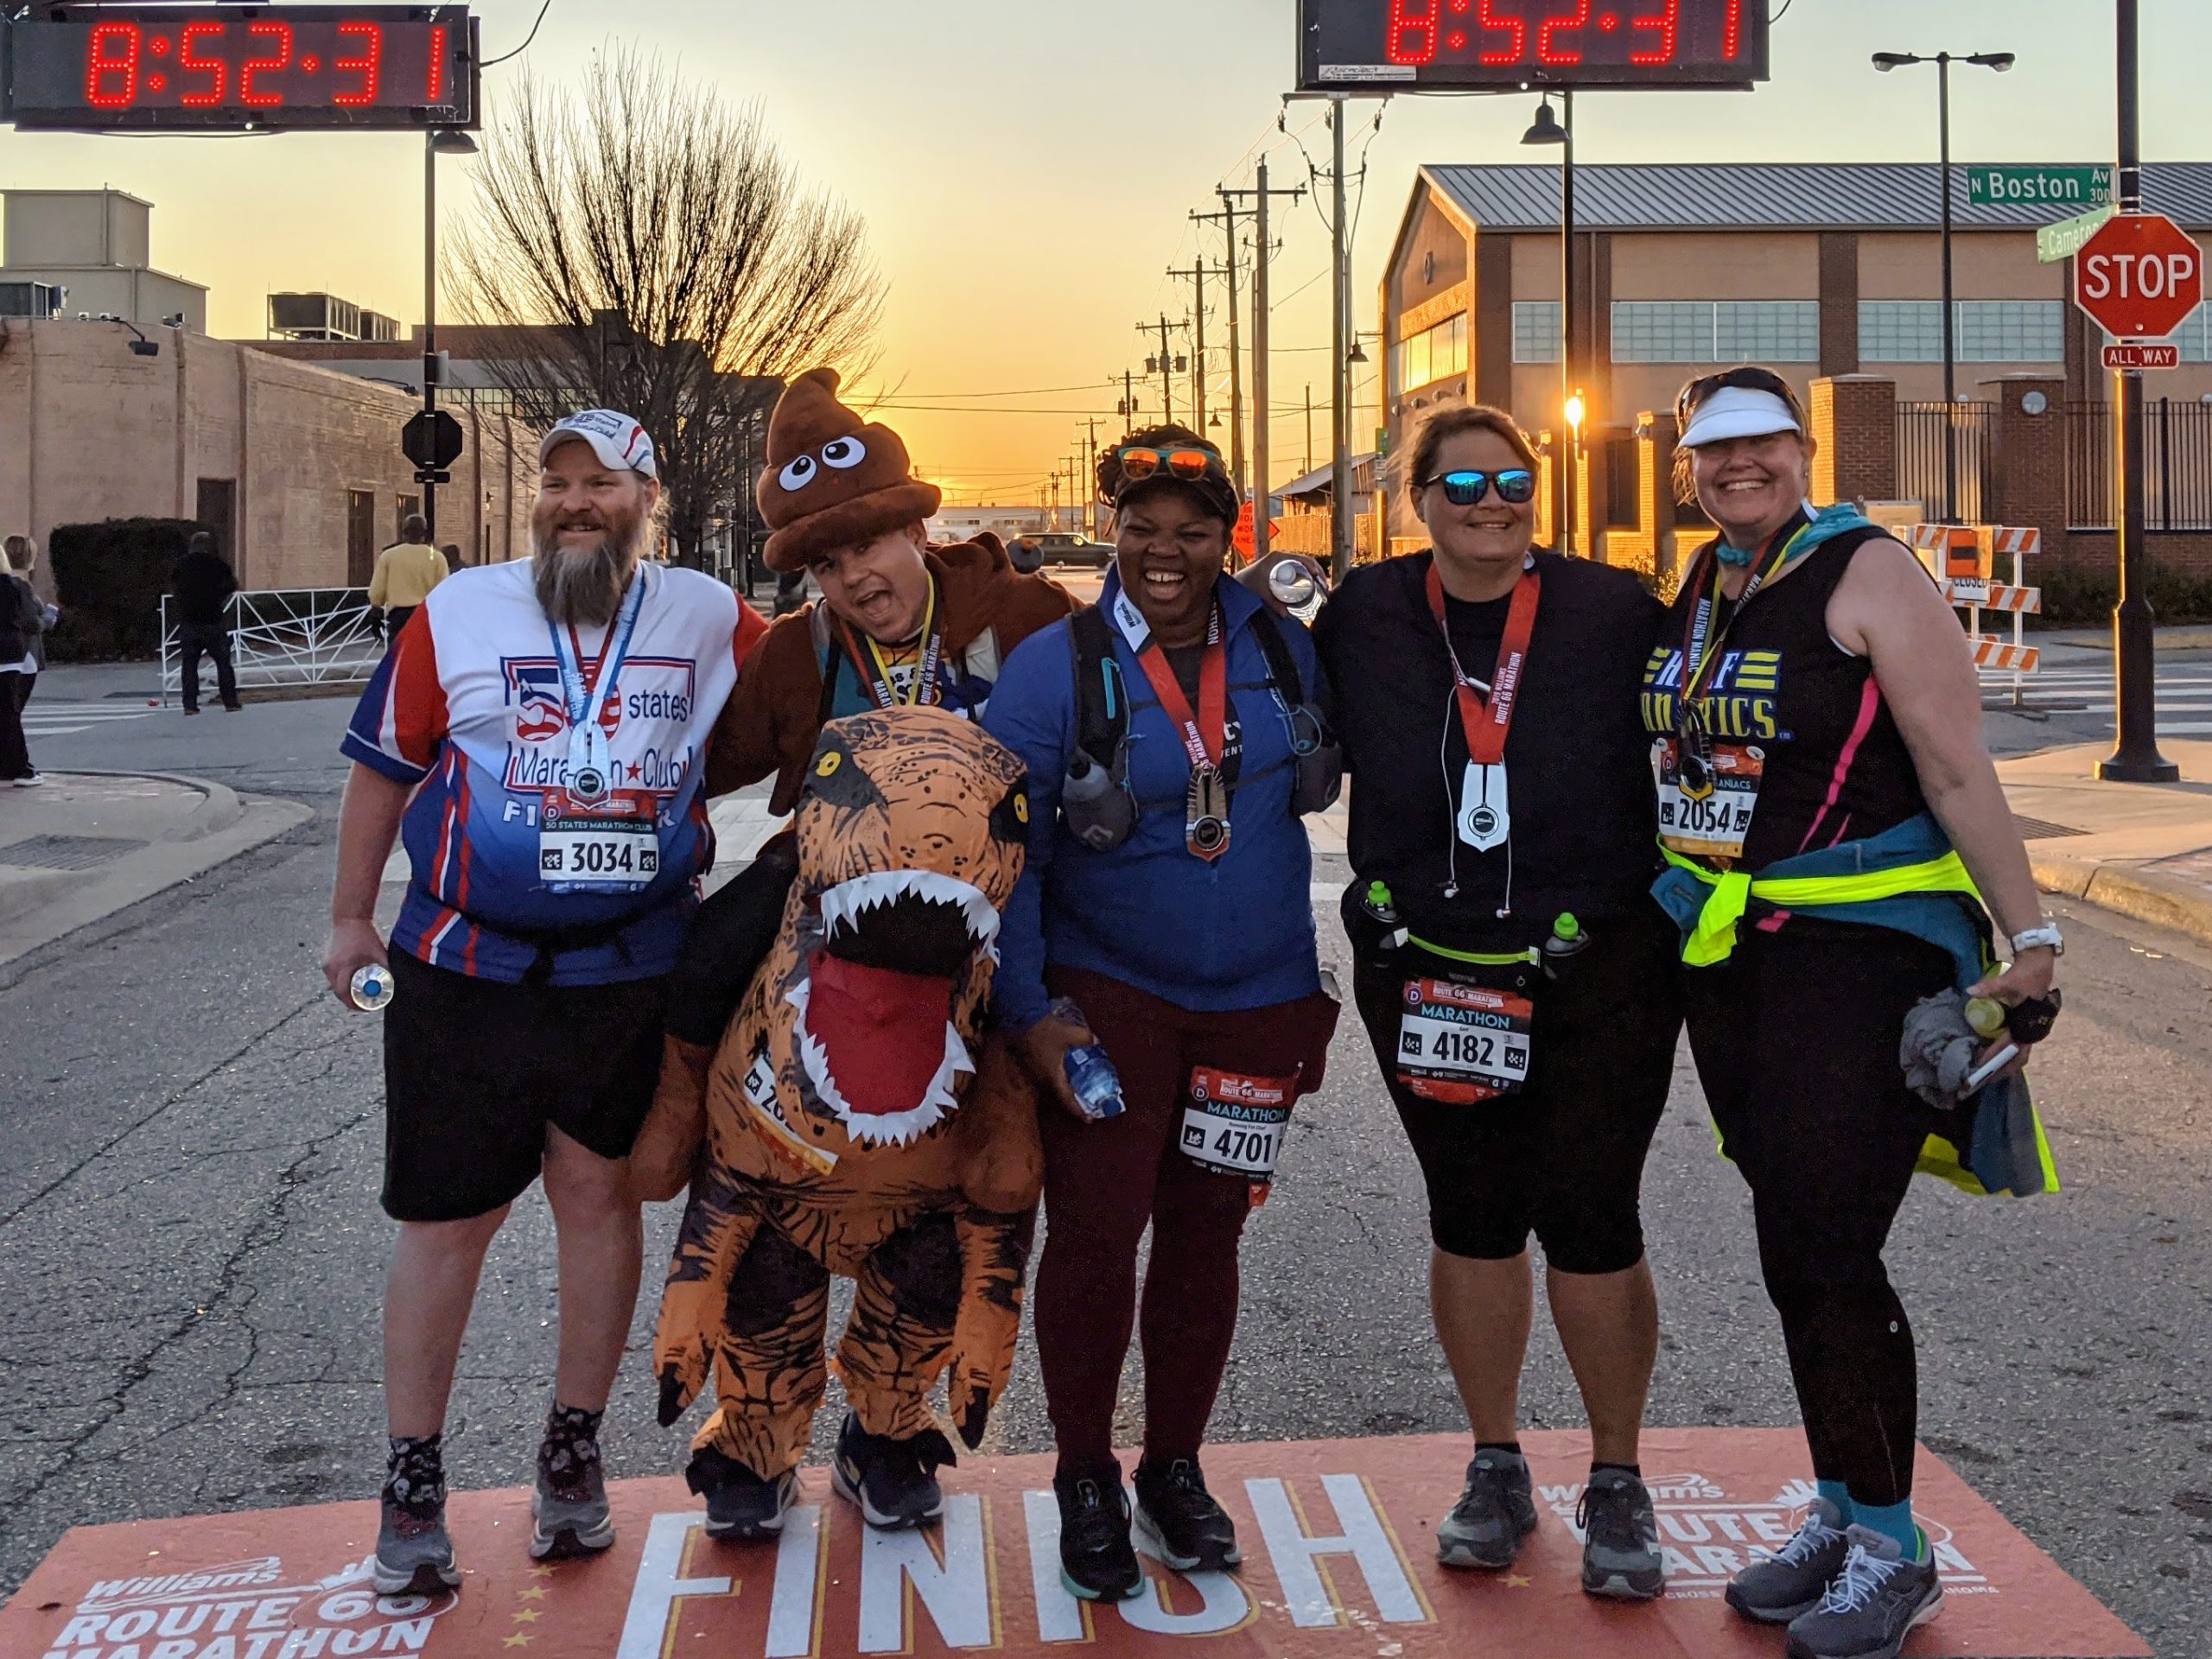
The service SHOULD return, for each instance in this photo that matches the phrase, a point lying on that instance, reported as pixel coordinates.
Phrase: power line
(493, 63)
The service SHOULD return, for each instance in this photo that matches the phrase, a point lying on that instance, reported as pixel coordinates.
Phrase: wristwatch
(2045, 935)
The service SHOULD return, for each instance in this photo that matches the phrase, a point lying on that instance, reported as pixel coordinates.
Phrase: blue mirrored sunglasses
(1516, 486)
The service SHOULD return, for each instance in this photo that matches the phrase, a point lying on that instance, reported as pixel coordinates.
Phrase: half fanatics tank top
(1791, 748)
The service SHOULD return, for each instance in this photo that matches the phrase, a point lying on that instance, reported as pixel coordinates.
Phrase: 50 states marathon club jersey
(512, 843)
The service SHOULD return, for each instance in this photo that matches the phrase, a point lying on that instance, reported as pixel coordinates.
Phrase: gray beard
(584, 589)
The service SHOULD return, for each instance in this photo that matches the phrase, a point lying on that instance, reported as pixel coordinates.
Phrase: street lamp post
(2001, 61)
(1550, 130)
(439, 141)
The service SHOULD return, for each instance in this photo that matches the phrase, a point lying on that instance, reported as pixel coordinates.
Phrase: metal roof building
(1777, 195)
(1815, 269)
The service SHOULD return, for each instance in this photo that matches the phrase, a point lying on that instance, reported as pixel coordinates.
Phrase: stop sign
(2139, 277)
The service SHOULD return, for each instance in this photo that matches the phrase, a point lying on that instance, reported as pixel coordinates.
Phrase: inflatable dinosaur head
(911, 832)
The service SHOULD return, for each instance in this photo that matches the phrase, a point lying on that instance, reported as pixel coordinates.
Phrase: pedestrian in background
(23, 559)
(452, 551)
(406, 572)
(202, 583)
(23, 619)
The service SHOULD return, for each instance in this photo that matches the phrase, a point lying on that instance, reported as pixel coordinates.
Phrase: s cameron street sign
(2064, 186)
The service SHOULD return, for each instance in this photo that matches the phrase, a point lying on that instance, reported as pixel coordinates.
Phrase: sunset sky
(1025, 167)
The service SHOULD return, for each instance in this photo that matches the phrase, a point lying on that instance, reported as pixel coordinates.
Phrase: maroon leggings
(1104, 1182)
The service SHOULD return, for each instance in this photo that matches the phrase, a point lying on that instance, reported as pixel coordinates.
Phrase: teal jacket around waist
(1908, 879)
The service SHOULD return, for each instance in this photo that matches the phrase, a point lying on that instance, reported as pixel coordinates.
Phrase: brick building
(1826, 273)
(299, 468)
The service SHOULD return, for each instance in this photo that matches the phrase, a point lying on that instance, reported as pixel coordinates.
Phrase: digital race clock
(1442, 45)
(236, 67)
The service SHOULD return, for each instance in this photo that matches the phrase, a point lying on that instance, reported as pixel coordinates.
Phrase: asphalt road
(189, 1232)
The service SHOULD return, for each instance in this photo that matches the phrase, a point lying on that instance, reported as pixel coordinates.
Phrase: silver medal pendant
(1484, 819)
(589, 769)
(1206, 814)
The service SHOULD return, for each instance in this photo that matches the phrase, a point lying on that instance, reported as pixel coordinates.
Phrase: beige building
(98, 245)
(297, 466)
(1814, 270)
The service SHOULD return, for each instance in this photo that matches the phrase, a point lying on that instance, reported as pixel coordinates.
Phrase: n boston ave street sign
(2139, 277)
(2065, 186)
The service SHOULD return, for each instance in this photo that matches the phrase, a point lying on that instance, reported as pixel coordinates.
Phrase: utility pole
(1228, 216)
(2135, 758)
(1091, 480)
(1262, 484)
(1196, 275)
(1166, 366)
(1340, 531)
(1128, 409)
(1309, 426)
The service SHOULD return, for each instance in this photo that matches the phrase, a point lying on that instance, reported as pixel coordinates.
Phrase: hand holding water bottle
(1065, 1059)
(355, 945)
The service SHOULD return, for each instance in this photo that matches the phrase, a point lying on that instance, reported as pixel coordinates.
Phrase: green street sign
(2065, 239)
(2063, 186)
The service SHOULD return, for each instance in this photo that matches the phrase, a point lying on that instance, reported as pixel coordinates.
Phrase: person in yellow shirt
(405, 572)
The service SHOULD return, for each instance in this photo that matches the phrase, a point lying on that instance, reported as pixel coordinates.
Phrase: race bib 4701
(1234, 1124)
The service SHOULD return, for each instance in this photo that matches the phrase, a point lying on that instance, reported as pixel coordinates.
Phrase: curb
(2130, 890)
(219, 808)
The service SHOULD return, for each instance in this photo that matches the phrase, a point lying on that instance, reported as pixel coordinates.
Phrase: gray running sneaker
(1620, 1539)
(1789, 1583)
(570, 1504)
(414, 1551)
(1877, 1600)
(1495, 1512)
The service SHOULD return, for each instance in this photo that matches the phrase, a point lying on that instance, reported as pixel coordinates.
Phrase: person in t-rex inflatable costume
(850, 1132)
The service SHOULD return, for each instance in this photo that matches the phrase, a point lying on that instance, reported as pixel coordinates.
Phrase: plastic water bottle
(1383, 912)
(1091, 1075)
(1986, 1015)
(372, 990)
(1568, 941)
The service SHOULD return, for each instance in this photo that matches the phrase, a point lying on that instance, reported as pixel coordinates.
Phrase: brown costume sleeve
(770, 712)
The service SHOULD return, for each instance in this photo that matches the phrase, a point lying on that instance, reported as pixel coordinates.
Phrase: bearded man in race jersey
(538, 733)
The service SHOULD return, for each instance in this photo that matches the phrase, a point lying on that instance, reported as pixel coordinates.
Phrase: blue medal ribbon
(587, 744)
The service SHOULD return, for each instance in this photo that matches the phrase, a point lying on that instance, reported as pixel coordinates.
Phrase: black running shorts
(475, 1069)
(1564, 1158)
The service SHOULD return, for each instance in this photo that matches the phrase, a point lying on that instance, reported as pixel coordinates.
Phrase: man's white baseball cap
(1738, 412)
(618, 441)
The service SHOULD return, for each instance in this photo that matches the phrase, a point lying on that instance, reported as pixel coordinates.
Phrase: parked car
(1060, 547)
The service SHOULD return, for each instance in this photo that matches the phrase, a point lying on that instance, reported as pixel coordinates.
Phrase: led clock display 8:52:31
(1418, 45)
(225, 68)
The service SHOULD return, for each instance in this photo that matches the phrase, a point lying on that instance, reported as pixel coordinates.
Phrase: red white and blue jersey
(469, 705)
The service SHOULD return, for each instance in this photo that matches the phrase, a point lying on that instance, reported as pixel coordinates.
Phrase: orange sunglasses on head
(1139, 464)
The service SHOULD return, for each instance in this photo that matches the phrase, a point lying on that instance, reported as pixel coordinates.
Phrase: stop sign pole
(2135, 758)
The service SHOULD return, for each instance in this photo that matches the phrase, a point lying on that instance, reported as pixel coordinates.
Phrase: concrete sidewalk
(89, 844)
(2142, 850)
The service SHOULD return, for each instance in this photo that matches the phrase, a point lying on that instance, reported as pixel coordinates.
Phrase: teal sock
(1840, 1494)
(1894, 1521)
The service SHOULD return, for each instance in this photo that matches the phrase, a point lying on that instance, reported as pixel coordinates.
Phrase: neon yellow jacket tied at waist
(1910, 880)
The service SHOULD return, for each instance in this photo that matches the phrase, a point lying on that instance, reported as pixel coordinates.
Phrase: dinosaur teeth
(849, 902)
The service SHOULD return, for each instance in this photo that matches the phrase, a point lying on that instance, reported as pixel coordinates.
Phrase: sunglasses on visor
(1140, 463)
(1746, 379)
(1517, 486)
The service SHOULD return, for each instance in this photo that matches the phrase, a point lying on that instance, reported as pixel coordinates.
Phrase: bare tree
(644, 245)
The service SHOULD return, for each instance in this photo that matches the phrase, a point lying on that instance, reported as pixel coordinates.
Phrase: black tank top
(1788, 707)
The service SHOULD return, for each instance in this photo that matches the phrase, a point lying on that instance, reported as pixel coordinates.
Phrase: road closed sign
(2139, 277)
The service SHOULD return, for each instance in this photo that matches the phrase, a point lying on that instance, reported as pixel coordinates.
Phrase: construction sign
(1338, 1564)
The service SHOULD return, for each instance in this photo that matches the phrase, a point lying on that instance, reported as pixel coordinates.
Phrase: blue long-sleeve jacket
(1236, 933)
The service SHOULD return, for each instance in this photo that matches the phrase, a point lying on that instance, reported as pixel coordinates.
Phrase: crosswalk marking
(61, 719)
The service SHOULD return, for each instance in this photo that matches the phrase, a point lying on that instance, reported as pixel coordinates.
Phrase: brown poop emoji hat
(831, 482)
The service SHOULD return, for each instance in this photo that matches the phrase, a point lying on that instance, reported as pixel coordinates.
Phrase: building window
(1536, 331)
(1988, 331)
(1716, 331)
(1435, 353)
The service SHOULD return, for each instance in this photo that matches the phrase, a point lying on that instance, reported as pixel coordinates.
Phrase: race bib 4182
(1461, 1044)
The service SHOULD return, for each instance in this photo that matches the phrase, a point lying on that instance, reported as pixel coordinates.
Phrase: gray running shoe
(1877, 1600)
(414, 1551)
(1495, 1513)
(1620, 1539)
(570, 1504)
(1789, 1583)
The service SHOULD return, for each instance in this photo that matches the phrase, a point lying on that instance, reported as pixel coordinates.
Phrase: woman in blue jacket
(1166, 914)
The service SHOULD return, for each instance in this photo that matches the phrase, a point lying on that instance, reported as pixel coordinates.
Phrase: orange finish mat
(1338, 1560)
